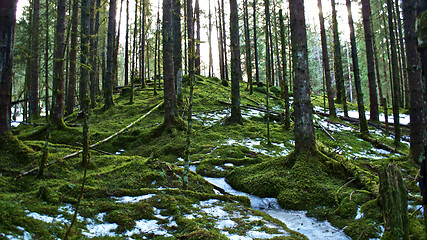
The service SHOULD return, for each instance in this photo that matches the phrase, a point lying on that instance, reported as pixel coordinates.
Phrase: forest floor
(240, 187)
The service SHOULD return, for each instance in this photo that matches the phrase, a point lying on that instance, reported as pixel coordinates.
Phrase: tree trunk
(395, 77)
(268, 63)
(285, 91)
(338, 68)
(359, 94)
(58, 67)
(7, 31)
(373, 97)
(417, 126)
(177, 52)
(116, 47)
(108, 89)
(394, 198)
(34, 62)
(255, 44)
(304, 128)
(248, 47)
(71, 90)
(127, 45)
(197, 53)
(325, 59)
(92, 73)
(236, 71)
(168, 68)
(224, 41)
(405, 90)
(84, 71)
(210, 42)
(219, 33)
(95, 68)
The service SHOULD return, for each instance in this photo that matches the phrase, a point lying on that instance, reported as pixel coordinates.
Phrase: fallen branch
(95, 144)
(326, 131)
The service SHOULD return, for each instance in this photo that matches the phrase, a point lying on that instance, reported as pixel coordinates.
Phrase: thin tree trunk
(127, 45)
(156, 55)
(92, 73)
(58, 67)
(268, 64)
(236, 70)
(377, 68)
(210, 42)
(7, 31)
(197, 21)
(359, 94)
(108, 89)
(373, 97)
(338, 67)
(219, 33)
(304, 128)
(177, 52)
(71, 90)
(394, 70)
(142, 45)
(255, 43)
(168, 68)
(285, 90)
(224, 41)
(34, 62)
(325, 59)
(403, 57)
(95, 68)
(248, 47)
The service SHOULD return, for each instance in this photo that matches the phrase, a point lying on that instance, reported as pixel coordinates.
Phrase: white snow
(255, 146)
(359, 214)
(227, 223)
(47, 219)
(129, 199)
(148, 226)
(100, 229)
(228, 165)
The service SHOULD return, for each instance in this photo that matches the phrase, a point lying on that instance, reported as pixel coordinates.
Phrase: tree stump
(394, 199)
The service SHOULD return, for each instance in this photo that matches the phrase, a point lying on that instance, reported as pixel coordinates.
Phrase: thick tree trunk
(168, 68)
(338, 68)
(7, 31)
(71, 90)
(373, 97)
(417, 126)
(248, 47)
(325, 58)
(395, 77)
(359, 94)
(34, 61)
(108, 88)
(236, 71)
(285, 90)
(394, 203)
(304, 128)
(58, 66)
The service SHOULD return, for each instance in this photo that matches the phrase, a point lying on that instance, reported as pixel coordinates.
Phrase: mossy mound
(299, 181)
(13, 152)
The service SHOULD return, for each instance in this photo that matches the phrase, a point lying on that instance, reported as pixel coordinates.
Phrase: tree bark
(236, 71)
(127, 45)
(417, 126)
(7, 31)
(197, 53)
(108, 88)
(255, 44)
(224, 41)
(248, 47)
(360, 105)
(285, 91)
(34, 61)
(58, 67)
(395, 77)
(92, 73)
(168, 66)
(71, 90)
(304, 128)
(325, 58)
(373, 97)
(211, 73)
(84, 73)
(338, 68)
(177, 49)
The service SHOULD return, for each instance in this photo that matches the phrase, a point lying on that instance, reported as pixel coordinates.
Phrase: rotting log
(95, 144)
(394, 198)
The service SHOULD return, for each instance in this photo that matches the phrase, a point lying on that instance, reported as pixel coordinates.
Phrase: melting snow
(129, 199)
(255, 146)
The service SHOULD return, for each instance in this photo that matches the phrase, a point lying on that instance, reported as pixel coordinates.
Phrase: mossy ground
(334, 183)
